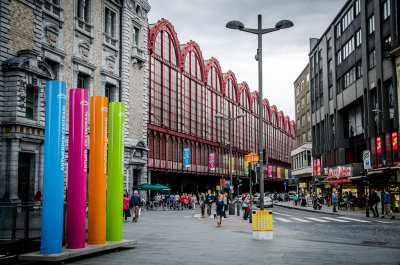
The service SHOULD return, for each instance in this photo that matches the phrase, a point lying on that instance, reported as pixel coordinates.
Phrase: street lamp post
(283, 24)
(230, 119)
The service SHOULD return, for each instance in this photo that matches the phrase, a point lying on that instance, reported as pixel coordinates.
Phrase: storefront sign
(340, 174)
(211, 161)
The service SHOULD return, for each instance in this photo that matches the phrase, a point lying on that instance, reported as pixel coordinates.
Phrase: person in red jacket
(182, 201)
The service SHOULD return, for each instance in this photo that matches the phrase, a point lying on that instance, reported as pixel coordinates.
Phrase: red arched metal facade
(185, 94)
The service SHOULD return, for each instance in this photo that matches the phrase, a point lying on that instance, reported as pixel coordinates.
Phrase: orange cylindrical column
(97, 170)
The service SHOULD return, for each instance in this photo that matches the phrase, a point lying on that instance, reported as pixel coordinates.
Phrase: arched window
(170, 149)
(163, 147)
(164, 83)
(157, 147)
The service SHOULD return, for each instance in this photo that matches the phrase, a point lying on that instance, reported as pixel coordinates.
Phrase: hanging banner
(232, 164)
(278, 172)
(286, 173)
(246, 167)
(211, 161)
(270, 171)
(379, 150)
(186, 157)
(115, 179)
(315, 168)
(318, 167)
(53, 168)
(97, 170)
(77, 168)
(395, 148)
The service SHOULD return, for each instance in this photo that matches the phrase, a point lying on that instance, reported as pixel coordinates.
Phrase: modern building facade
(185, 94)
(301, 155)
(96, 45)
(354, 99)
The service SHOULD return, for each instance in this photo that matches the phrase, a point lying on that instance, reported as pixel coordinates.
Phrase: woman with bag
(127, 212)
(202, 202)
(245, 206)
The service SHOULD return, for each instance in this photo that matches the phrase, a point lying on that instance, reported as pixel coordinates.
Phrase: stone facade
(95, 45)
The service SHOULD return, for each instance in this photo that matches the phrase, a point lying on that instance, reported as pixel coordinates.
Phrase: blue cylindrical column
(53, 168)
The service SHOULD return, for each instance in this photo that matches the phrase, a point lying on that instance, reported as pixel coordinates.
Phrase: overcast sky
(285, 52)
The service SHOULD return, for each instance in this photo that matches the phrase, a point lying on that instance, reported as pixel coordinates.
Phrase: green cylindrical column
(115, 179)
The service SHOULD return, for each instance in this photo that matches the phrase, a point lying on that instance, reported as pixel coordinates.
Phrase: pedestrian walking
(134, 202)
(209, 201)
(220, 209)
(295, 199)
(193, 200)
(202, 203)
(334, 201)
(225, 199)
(386, 204)
(245, 206)
(373, 201)
(392, 202)
(127, 211)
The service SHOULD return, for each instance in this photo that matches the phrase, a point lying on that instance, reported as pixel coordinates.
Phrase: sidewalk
(328, 210)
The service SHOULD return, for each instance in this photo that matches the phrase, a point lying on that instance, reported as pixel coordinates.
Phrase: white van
(291, 194)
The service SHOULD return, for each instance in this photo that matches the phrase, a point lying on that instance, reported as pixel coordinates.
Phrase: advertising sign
(211, 161)
(379, 150)
(395, 148)
(246, 167)
(315, 168)
(270, 171)
(318, 167)
(186, 157)
(278, 172)
(286, 174)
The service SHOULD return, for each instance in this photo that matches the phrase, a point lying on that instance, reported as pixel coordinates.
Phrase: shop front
(348, 178)
(388, 178)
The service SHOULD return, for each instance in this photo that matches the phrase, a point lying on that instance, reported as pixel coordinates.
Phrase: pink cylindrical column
(77, 168)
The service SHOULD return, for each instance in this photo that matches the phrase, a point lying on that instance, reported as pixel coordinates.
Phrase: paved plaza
(182, 237)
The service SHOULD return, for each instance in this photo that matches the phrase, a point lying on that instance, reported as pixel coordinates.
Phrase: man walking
(386, 203)
(209, 201)
(334, 201)
(135, 204)
(373, 201)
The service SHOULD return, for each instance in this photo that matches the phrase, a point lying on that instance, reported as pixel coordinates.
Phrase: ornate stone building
(96, 45)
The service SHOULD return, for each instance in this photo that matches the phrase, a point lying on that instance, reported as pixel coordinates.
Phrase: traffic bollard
(367, 209)
(238, 208)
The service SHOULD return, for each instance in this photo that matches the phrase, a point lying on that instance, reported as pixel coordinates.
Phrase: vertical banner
(286, 173)
(211, 161)
(232, 164)
(278, 172)
(315, 167)
(379, 150)
(115, 180)
(318, 167)
(53, 168)
(246, 167)
(77, 168)
(186, 157)
(395, 148)
(270, 171)
(97, 170)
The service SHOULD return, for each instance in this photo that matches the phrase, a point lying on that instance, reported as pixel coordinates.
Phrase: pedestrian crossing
(287, 218)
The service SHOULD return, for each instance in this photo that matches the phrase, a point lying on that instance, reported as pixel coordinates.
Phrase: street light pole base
(263, 235)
